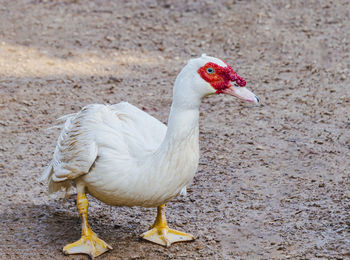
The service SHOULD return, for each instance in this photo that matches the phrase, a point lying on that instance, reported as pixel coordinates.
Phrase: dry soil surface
(273, 180)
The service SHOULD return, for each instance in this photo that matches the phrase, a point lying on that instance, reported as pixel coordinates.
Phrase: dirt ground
(273, 180)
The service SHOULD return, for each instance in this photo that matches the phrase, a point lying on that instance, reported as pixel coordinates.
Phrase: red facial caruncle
(219, 77)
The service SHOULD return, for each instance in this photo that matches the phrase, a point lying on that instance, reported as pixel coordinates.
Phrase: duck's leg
(89, 243)
(161, 234)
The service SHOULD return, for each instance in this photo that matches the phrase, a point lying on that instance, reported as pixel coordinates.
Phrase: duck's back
(142, 133)
(119, 132)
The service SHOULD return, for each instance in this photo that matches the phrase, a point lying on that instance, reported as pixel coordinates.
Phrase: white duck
(125, 157)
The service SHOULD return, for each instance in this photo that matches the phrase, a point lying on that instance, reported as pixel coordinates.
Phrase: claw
(90, 245)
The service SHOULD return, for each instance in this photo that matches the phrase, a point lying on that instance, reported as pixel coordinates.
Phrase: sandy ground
(273, 181)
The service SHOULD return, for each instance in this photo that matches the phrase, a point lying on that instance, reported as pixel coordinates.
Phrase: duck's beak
(242, 93)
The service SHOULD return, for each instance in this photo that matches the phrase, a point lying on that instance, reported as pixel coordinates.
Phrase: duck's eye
(210, 70)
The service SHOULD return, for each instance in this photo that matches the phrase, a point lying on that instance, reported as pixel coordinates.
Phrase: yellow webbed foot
(161, 234)
(88, 244)
(166, 236)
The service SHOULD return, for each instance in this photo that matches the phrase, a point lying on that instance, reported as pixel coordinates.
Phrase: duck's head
(207, 75)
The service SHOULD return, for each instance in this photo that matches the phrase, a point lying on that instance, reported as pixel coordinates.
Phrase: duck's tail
(65, 188)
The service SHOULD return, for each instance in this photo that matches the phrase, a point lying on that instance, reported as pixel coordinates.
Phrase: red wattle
(222, 77)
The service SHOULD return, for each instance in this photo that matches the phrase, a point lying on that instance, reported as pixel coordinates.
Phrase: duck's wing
(76, 149)
(122, 131)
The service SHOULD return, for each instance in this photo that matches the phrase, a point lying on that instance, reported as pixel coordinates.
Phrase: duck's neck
(177, 157)
(175, 162)
(182, 126)
(183, 118)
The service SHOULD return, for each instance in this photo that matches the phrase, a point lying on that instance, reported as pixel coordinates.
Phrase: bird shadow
(43, 230)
